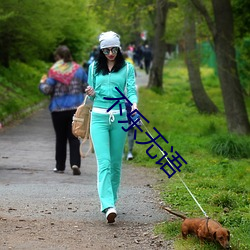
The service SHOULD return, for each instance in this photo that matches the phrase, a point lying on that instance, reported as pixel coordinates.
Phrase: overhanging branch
(202, 9)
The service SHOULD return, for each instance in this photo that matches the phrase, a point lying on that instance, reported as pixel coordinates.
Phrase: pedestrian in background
(109, 71)
(130, 155)
(138, 52)
(65, 84)
(147, 54)
(92, 57)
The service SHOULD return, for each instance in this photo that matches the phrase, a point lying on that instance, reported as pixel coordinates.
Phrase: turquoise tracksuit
(107, 134)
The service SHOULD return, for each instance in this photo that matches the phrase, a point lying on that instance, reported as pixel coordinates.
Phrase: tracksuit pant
(108, 139)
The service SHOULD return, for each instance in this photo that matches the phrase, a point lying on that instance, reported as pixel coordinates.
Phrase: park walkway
(40, 209)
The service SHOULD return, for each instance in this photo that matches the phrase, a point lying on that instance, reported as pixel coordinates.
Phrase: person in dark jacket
(147, 54)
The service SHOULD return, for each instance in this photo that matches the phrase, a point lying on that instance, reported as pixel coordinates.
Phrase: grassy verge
(19, 88)
(218, 163)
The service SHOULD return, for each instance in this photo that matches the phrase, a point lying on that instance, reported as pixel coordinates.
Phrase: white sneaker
(58, 171)
(130, 156)
(111, 214)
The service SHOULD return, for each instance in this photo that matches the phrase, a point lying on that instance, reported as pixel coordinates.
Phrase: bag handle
(87, 137)
(91, 148)
(85, 99)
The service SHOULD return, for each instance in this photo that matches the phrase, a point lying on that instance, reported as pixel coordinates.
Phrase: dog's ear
(214, 235)
(228, 237)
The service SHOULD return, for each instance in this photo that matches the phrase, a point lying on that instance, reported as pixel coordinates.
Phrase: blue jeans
(108, 139)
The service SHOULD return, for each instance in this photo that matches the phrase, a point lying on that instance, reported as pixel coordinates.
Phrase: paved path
(31, 191)
(26, 163)
(141, 78)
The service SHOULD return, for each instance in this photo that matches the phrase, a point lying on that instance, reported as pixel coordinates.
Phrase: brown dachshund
(204, 229)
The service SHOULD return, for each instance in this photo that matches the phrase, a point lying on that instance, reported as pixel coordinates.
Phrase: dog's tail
(175, 213)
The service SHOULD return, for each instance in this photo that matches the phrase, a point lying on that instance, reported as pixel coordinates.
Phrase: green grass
(218, 166)
(19, 87)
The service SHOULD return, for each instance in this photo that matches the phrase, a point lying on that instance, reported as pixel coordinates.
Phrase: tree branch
(202, 9)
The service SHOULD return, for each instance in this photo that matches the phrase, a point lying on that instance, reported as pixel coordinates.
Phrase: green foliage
(176, 18)
(241, 17)
(219, 183)
(28, 33)
(243, 59)
(128, 18)
(175, 24)
(231, 146)
(224, 200)
(208, 58)
(19, 87)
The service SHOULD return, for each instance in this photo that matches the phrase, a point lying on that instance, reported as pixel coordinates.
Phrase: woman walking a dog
(109, 71)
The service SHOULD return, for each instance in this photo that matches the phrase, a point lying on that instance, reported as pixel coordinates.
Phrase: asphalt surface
(31, 190)
(26, 164)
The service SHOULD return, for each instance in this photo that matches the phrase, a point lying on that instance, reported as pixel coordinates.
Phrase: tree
(201, 99)
(242, 33)
(28, 33)
(127, 17)
(223, 38)
(159, 46)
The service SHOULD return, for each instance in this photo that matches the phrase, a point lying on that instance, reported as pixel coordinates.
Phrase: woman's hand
(90, 91)
(43, 79)
(134, 107)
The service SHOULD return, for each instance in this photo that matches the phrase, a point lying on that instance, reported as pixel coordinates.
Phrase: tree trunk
(223, 38)
(201, 99)
(159, 47)
(235, 109)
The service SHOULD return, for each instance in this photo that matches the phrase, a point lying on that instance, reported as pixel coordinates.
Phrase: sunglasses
(106, 51)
